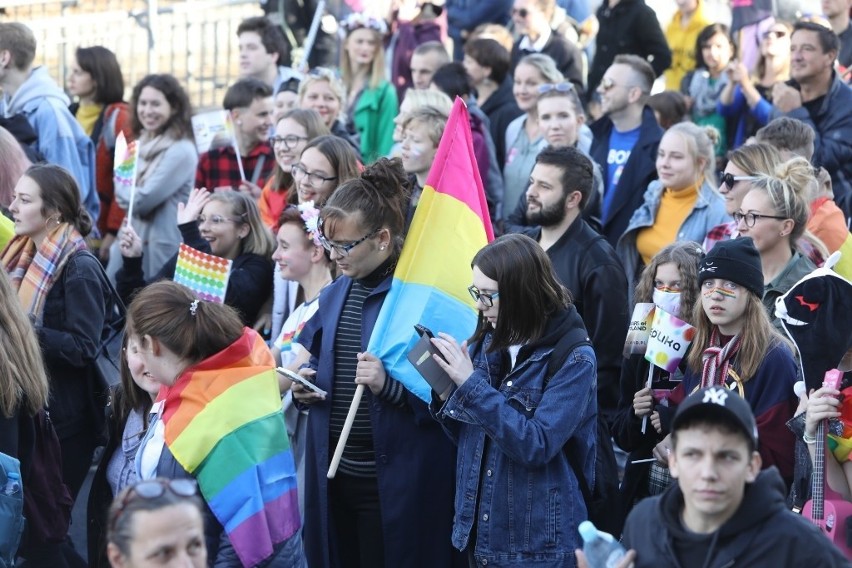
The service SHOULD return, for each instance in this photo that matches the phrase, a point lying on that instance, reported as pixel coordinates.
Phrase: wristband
(809, 440)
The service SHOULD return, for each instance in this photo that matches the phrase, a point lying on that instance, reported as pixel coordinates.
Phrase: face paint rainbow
(722, 291)
(668, 289)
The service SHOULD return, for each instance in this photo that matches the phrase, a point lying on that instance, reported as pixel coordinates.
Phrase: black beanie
(736, 260)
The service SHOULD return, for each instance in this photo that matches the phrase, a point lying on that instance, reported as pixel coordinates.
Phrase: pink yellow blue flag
(450, 225)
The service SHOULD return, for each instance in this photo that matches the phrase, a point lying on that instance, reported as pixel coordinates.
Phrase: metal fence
(195, 40)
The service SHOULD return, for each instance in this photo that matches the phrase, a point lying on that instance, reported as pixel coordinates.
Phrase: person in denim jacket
(517, 498)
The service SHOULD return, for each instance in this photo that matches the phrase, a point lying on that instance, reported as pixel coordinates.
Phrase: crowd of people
(695, 168)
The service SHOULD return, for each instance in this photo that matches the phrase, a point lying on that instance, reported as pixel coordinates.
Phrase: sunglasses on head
(558, 87)
(153, 489)
(730, 179)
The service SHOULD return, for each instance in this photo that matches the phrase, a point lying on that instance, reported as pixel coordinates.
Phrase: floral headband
(357, 20)
(310, 215)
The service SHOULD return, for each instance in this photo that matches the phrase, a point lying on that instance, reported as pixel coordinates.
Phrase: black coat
(566, 55)
(588, 266)
(249, 285)
(762, 532)
(630, 27)
(501, 109)
(639, 171)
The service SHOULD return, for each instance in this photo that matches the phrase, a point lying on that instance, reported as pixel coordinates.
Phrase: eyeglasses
(777, 34)
(485, 298)
(751, 218)
(299, 172)
(217, 220)
(153, 489)
(341, 250)
(730, 179)
(290, 141)
(522, 13)
(607, 83)
(558, 87)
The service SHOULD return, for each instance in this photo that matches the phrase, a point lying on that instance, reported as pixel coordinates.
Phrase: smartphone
(423, 330)
(297, 378)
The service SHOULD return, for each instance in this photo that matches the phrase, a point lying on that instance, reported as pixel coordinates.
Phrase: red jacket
(115, 118)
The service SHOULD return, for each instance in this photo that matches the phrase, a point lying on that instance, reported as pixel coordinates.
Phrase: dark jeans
(357, 520)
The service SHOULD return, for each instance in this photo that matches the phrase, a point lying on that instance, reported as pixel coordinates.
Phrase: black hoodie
(763, 532)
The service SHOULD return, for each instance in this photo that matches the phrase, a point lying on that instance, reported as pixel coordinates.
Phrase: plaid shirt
(719, 233)
(218, 167)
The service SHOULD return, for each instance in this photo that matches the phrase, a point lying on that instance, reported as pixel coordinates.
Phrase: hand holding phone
(300, 380)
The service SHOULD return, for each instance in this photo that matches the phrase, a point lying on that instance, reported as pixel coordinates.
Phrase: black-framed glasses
(342, 250)
(486, 298)
(153, 489)
(730, 179)
(299, 173)
(558, 87)
(522, 13)
(290, 141)
(751, 218)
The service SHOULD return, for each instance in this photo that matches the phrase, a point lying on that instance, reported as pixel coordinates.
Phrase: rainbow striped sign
(205, 274)
(125, 164)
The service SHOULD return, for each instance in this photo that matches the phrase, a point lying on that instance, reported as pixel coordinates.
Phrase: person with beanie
(736, 346)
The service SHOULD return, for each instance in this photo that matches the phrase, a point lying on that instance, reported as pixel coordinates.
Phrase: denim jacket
(515, 490)
(709, 211)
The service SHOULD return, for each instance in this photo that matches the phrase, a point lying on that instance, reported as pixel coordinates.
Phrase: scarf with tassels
(717, 359)
(33, 270)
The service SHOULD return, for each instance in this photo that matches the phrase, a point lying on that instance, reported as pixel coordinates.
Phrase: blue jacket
(832, 125)
(709, 211)
(639, 171)
(739, 109)
(515, 489)
(464, 15)
(61, 139)
(414, 460)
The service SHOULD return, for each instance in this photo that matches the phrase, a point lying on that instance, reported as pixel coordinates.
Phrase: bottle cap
(588, 531)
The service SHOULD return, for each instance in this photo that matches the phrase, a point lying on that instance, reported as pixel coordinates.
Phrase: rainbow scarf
(224, 425)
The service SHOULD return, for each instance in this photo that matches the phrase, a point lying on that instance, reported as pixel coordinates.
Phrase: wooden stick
(344, 434)
(650, 377)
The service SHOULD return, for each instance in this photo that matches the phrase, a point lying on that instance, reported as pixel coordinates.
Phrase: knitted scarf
(33, 271)
(717, 359)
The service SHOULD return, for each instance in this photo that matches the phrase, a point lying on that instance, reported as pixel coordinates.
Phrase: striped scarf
(33, 271)
(717, 359)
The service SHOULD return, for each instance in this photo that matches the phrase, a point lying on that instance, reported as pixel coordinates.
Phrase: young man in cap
(723, 511)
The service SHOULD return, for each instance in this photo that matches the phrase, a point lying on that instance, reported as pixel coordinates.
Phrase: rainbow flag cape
(205, 274)
(224, 425)
(430, 282)
(126, 161)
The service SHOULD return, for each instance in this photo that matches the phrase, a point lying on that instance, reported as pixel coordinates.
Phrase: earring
(382, 247)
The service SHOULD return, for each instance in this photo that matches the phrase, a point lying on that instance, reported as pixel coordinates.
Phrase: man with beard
(560, 186)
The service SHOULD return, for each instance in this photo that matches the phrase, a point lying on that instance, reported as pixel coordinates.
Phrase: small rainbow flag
(224, 425)
(450, 225)
(125, 164)
(205, 274)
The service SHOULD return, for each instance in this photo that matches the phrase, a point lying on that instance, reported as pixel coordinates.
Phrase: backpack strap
(576, 337)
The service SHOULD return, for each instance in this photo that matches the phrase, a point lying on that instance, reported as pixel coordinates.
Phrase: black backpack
(603, 499)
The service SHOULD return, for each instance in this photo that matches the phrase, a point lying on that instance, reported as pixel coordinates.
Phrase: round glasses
(751, 218)
(487, 298)
(730, 179)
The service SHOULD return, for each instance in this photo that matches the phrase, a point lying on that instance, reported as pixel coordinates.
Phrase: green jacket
(798, 267)
(373, 120)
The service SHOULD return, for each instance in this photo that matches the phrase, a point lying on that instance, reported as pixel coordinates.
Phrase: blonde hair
(318, 74)
(15, 163)
(377, 66)
(427, 97)
(758, 337)
(700, 143)
(259, 240)
(755, 159)
(25, 378)
(545, 65)
(790, 188)
(434, 120)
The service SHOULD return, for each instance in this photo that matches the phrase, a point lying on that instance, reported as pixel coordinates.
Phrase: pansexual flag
(205, 274)
(430, 283)
(224, 425)
(668, 340)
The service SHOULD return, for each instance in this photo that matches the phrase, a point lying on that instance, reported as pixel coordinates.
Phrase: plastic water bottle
(600, 548)
(13, 483)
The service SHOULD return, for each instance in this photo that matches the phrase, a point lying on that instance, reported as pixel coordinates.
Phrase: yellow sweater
(682, 43)
(675, 207)
(87, 116)
(7, 231)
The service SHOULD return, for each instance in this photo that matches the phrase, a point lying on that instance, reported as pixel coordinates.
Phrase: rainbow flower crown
(310, 216)
(357, 20)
